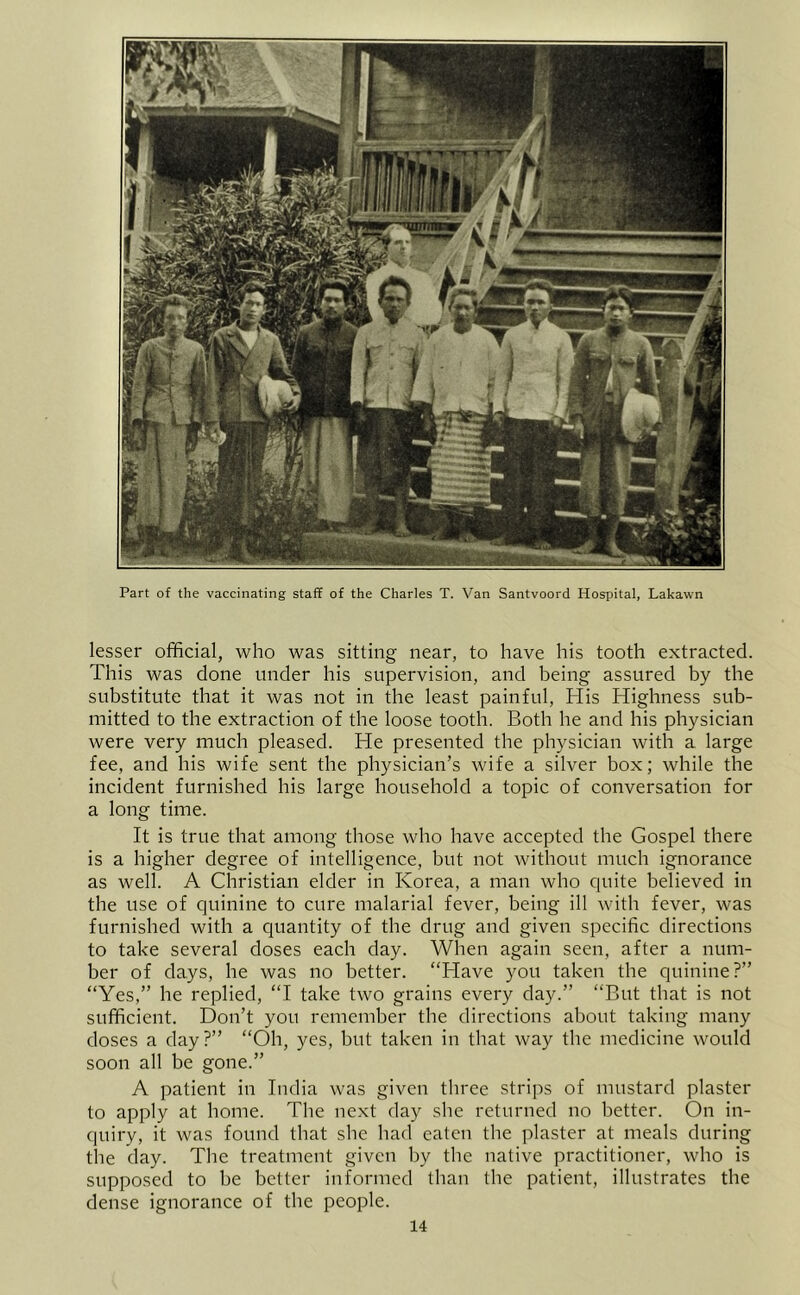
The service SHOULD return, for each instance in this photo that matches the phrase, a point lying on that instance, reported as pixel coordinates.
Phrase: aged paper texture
(61, 138)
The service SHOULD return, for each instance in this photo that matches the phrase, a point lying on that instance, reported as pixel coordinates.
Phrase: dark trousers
(529, 479)
(241, 458)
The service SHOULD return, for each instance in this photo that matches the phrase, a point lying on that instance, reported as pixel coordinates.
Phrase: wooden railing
(507, 207)
(406, 177)
(683, 375)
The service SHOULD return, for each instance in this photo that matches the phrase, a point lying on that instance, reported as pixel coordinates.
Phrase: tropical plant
(230, 232)
(689, 538)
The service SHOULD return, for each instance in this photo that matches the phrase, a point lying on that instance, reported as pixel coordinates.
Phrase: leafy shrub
(198, 504)
(690, 538)
(282, 511)
(230, 232)
(128, 490)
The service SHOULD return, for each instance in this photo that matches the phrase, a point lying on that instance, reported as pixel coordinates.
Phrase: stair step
(564, 276)
(657, 242)
(663, 323)
(588, 296)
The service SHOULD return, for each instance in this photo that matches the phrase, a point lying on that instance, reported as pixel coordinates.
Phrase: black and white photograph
(422, 305)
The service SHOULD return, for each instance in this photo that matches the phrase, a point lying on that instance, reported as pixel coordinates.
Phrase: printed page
(374, 925)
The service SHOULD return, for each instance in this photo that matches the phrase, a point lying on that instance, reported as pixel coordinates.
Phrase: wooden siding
(453, 92)
(636, 139)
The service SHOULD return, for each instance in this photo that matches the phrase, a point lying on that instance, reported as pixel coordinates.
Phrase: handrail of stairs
(488, 234)
(682, 372)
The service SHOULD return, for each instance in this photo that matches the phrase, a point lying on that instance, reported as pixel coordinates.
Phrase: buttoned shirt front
(169, 382)
(385, 361)
(457, 371)
(533, 372)
(606, 367)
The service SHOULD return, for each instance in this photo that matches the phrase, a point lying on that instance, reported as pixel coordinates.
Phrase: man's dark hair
(336, 285)
(175, 299)
(619, 290)
(539, 285)
(252, 285)
(394, 280)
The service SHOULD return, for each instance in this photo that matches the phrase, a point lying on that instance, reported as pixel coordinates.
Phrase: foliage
(198, 503)
(128, 490)
(189, 68)
(230, 232)
(689, 538)
(283, 512)
(710, 348)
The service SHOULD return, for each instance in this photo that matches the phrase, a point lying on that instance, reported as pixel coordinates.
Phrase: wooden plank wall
(455, 92)
(636, 140)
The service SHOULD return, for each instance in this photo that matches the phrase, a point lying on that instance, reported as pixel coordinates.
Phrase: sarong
(384, 448)
(328, 466)
(162, 477)
(460, 466)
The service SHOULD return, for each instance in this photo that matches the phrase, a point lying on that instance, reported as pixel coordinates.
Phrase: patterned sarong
(460, 466)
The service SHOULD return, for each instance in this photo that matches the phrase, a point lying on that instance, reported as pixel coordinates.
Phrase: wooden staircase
(667, 274)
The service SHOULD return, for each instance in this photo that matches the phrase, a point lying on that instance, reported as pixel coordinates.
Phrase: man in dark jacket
(321, 364)
(239, 356)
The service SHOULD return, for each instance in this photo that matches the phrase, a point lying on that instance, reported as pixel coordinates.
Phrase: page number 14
(419, 1225)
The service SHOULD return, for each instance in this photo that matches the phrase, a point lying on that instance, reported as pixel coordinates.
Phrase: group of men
(387, 383)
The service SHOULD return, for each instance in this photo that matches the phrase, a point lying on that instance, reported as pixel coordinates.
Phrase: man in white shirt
(530, 402)
(386, 356)
(424, 308)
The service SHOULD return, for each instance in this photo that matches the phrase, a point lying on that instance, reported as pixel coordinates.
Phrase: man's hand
(294, 406)
(488, 432)
(138, 435)
(191, 437)
(215, 434)
(556, 423)
(578, 427)
(498, 424)
(358, 415)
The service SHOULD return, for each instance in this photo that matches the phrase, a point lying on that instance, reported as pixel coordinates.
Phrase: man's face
(462, 313)
(251, 308)
(399, 247)
(394, 302)
(537, 305)
(332, 305)
(175, 320)
(617, 314)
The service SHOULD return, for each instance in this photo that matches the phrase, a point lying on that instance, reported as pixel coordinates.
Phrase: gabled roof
(280, 76)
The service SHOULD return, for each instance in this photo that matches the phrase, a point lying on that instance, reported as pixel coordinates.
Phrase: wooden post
(142, 191)
(670, 385)
(348, 119)
(269, 176)
(543, 76)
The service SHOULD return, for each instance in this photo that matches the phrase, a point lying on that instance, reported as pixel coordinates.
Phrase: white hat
(273, 396)
(640, 415)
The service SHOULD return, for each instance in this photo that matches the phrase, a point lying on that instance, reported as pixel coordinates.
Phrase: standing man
(454, 388)
(530, 403)
(608, 363)
(424, 308)
(166, 412)
(321, 363)
(386, 356)
(239, 356)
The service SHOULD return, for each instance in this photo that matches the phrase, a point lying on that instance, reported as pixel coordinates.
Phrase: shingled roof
(281, 76)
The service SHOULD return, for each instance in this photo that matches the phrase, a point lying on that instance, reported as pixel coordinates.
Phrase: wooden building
(586, 164)
(279, 112)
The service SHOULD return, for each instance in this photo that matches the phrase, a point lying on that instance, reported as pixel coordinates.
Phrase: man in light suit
(239, 356)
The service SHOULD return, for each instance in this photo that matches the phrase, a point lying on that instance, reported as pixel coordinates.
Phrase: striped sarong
(460, 466)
